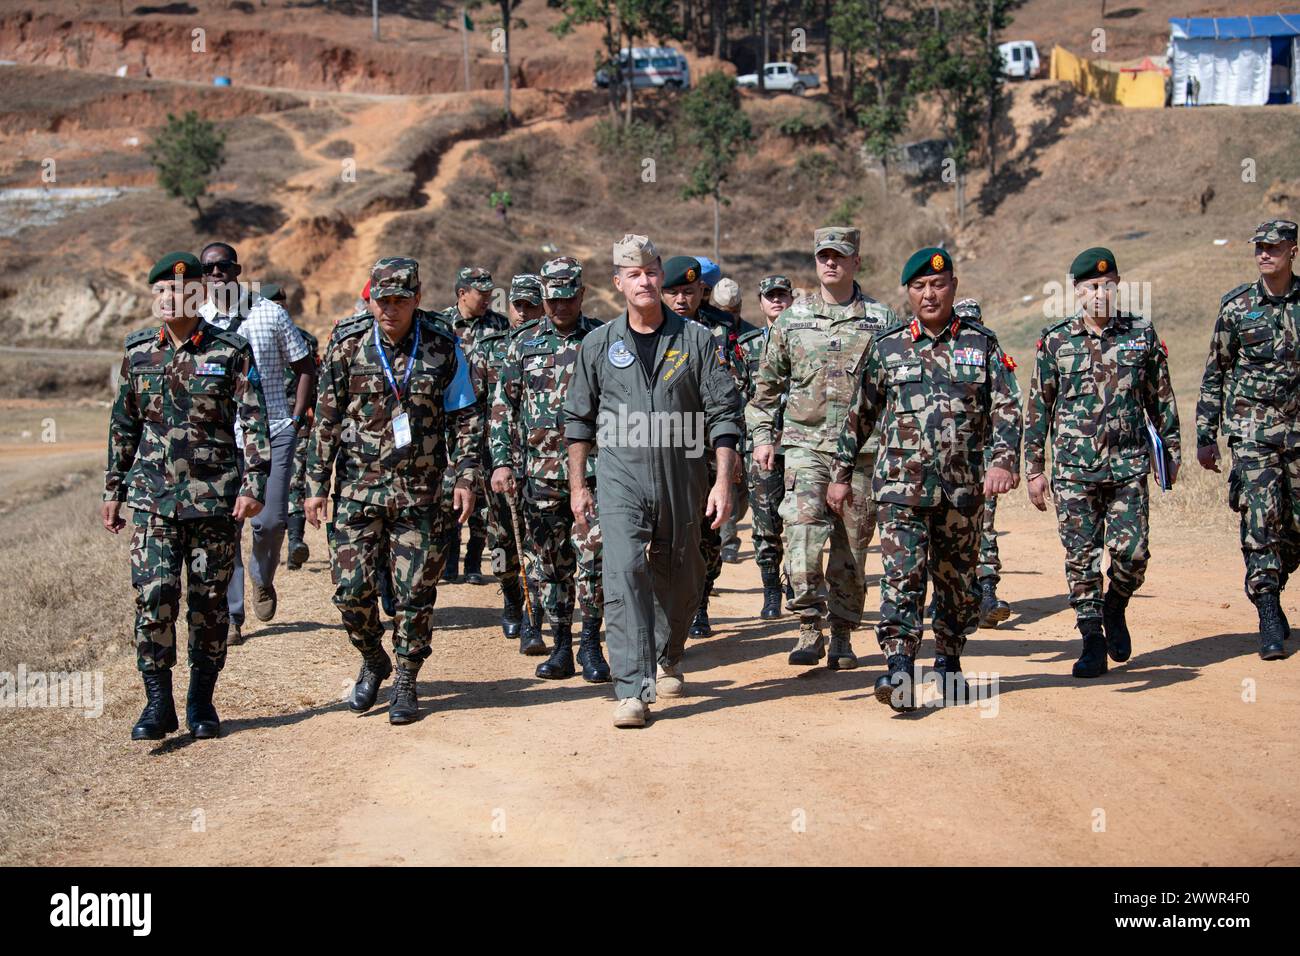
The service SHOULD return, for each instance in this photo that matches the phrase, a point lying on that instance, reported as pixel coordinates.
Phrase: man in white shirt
(276, 345)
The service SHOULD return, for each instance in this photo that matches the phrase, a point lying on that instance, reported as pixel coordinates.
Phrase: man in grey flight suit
(651, 391)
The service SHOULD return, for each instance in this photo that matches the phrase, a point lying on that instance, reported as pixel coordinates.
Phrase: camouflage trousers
(766, 489)
(728, 536)
(809, 523)
(160, 549)
(501, 534)
(1264, 487)
(298, 476)
(919, 545)
(478, 518)
(359, 535)
(990, 567)
(562, 561)
(1090, 514)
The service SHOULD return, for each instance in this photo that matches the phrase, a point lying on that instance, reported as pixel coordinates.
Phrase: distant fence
(1145, 88)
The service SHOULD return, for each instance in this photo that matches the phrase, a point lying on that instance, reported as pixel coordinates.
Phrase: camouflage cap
(1275, 230)
(474, 277)
(526, 287)
(394, 275)
(271, 291)
(842, 239)
(770, 283)
(967, 309)
(181, 265)
(726, 294)
(561, 278)
(634, 250)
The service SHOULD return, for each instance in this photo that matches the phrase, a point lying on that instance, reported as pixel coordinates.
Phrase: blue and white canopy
(1235, 28)
(1235, 61)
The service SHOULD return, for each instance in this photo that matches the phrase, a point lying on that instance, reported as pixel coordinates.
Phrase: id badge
(401, 430)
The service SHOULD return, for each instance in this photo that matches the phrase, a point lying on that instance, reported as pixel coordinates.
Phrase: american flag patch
(968, 356)
(210, 368)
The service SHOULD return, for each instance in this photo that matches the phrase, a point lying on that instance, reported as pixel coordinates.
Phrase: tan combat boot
(670, 682)
(630, 713)
(811, 646)
(841, 657)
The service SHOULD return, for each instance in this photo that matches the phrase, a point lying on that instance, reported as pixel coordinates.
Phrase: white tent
(1237, 61)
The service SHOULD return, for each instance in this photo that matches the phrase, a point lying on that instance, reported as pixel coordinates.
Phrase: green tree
(507, 21)
(719, 131)
(186, 153)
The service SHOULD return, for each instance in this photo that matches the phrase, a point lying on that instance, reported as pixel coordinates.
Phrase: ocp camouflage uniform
(385, 496)
(530, 399)
(1251, 390)
(298, 477)
(814, 353)
(1091, 396)
(766, 489)
(173, 460)
(938, 400)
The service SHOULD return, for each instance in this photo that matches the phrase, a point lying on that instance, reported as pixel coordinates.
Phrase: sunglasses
(225, 265)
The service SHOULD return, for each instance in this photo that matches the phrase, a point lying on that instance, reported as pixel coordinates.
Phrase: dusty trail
(1162, 761)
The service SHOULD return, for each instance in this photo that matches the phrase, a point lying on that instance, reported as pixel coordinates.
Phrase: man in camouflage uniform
(648, 388)
(297, 524)
(1099, 376)
(725, 298)
(940, 389)
(172, 458)
(1251, 389)
(529, 402)
(993, 610)
(814, 352)
(486, 359)
(469, 319)
(684, 292)
(394, 384)
(766, 488)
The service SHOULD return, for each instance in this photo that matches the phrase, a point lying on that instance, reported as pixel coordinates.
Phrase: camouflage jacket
(469, 331)
(1091, 396)
(529, 399)
(1251, 386)
(727, 330)
(290, 376)
(171, 434)
(813, 356)
(485, 363)
(353, 435)
(937, 400)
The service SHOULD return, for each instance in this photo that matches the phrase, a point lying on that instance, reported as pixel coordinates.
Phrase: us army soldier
(1251, 391)
(529, 401)
(172, 458)
(814, 353)
(648, 388)
(393, 381)
(940, 388)
(1098, 377)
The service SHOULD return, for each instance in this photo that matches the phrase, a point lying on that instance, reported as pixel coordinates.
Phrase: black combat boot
(200, 715)
(404, 705)
(952, 682)
(594, 668)
(451, 573)
(472, 569)
(789, 588)
(771, 596)
(1119, 645)
(298, 550)
(512, 607)
(1092, 662)
(158, 718)
(531, 642)
(375, 668)
(560, 664)
(700, 626)
(1271, 634)
(992, 610)
(896, 686)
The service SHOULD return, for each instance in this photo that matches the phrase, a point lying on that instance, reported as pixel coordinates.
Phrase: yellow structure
(1128, 88)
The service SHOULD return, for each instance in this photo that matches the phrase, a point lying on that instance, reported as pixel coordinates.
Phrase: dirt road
(1186, 755)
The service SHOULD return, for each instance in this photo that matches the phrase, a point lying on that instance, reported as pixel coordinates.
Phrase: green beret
(926, 262)
(179, 264)
(1094, 262)
(681, 270)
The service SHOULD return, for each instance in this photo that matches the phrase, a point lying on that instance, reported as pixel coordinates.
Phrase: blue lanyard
(388, 369)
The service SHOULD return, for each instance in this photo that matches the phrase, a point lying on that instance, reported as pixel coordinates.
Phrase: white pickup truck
(781, 77)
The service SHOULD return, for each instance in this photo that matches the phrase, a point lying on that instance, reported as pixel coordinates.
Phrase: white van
(651, 66)
(1019, 59)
